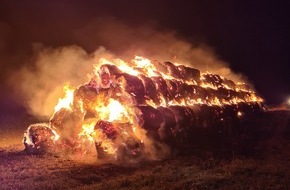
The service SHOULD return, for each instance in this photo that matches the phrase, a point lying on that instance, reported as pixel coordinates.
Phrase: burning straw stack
(125, 105)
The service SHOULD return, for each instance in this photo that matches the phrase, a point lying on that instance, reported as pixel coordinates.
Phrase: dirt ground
(261, 162)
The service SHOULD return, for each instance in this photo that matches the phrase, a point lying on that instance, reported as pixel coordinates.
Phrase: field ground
(266, 165)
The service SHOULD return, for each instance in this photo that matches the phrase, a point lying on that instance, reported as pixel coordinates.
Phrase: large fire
(133, 109)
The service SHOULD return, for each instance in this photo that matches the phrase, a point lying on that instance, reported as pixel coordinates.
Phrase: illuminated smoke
(40, 84)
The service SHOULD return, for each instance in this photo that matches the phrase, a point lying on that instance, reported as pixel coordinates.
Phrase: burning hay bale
(136, 110)
(39, 138)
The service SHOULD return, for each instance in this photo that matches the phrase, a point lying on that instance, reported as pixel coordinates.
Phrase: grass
(188, 172)
(267, 167)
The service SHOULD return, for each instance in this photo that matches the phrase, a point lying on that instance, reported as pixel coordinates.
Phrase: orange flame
(121, 110)
(65, 102)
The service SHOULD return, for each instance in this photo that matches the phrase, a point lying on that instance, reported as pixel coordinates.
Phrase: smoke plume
(40, 83)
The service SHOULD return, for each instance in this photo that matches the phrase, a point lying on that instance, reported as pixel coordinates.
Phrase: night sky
(253, 37)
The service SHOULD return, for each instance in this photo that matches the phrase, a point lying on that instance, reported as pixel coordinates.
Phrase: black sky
(252, 36)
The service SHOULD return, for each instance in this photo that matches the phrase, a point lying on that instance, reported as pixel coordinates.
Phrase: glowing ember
(136, 109)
